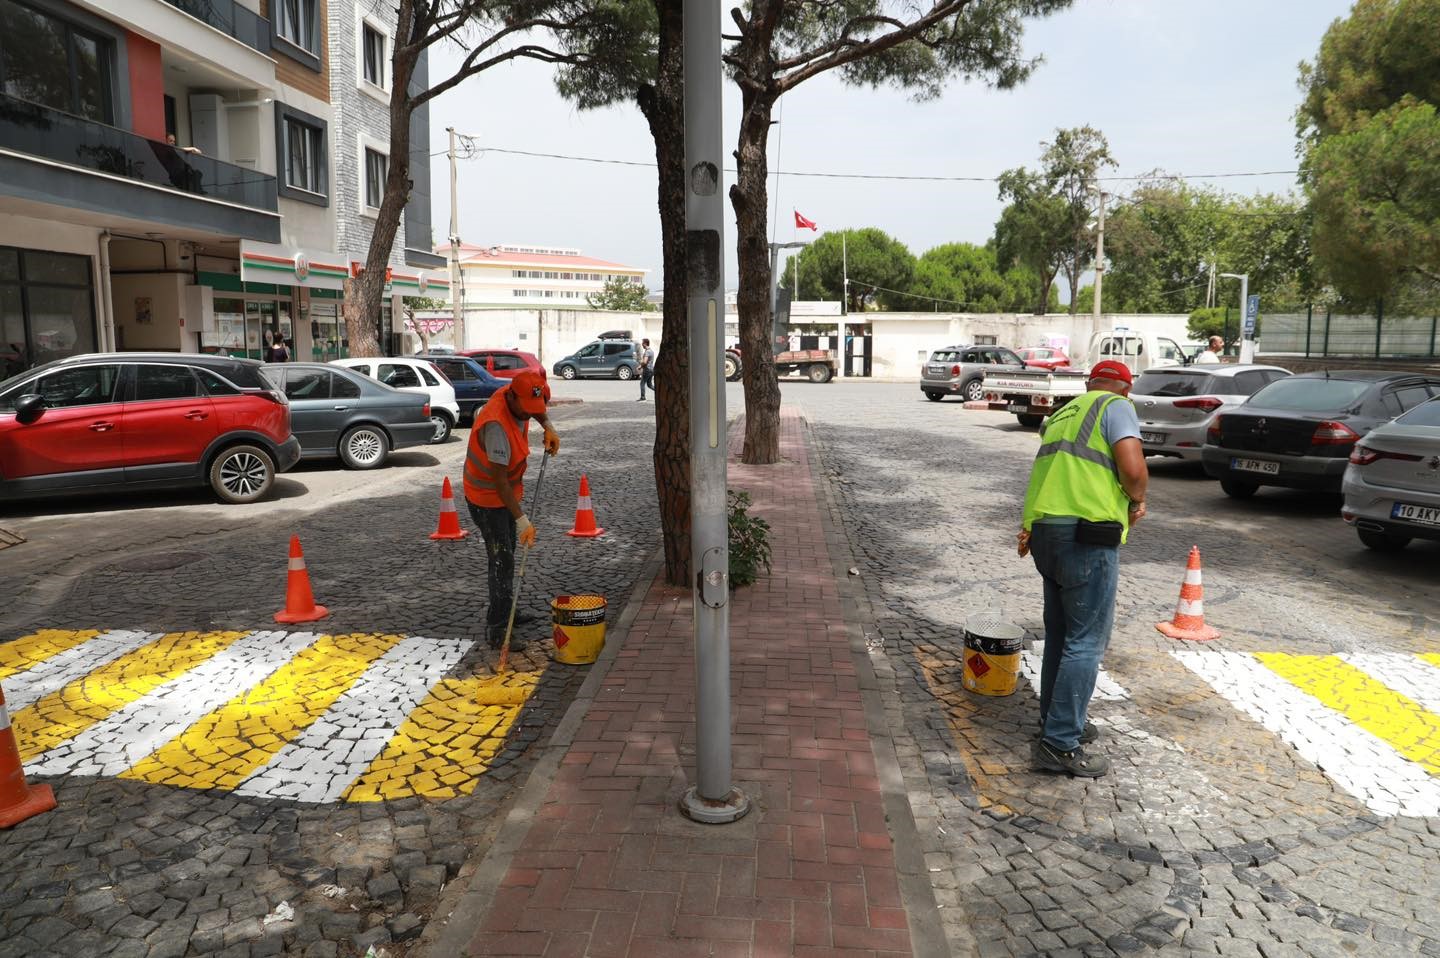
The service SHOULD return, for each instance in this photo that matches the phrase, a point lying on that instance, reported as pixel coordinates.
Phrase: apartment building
(538, 277)
(195, 175)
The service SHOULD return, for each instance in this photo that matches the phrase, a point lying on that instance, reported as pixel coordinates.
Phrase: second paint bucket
(992, 655)
(579, 628)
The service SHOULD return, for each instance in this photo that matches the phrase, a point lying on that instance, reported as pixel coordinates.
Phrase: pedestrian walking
(1211, 353)
(281, 352)
(494, 486)
(1087, 488)
(647, 368)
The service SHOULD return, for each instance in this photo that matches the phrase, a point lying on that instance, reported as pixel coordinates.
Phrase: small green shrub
(749, 541)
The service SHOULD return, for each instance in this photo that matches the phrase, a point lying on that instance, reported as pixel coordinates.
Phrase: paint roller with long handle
(524, 555)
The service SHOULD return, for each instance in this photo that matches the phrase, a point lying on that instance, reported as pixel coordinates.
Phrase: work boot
(1087, 735)
(1048, 758)
(523, 618)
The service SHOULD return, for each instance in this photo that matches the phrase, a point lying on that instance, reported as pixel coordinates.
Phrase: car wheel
(974, 390)
(1236, 489)
(442, 425)
(934, 397)
(567, 372)
(732, 368)
(624, 374)
(364, 447)
(1028, 420)
(1383, 541)
(818, 373)
(242, 474)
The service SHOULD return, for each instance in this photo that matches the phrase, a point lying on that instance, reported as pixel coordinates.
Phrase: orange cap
(531, 391)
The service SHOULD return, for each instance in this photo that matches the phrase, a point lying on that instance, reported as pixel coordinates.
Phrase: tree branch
(857, 50)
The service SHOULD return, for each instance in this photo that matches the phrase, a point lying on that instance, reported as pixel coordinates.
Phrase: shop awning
(312, 269)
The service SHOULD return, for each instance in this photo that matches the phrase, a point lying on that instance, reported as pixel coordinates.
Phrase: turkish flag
(801, 223)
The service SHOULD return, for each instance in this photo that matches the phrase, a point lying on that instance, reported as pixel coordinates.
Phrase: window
(372, 55)
(214, 385)
(85, 386)
(376, 164)
(307, 384)
(1426, 414)
(617, 349)
(45, 60)
(517, 273)
(164, 382)
(298, 21)
(304, 158)
(502, 361)
(1411, 396)
(458, 372)
(398, 376)
(1006, 356)
(47, 308)
(592, 350)
(1248, 383)
(343, 387)
(428, 376)
(985, 340)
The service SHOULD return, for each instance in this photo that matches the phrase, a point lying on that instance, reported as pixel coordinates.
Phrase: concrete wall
(161, 330)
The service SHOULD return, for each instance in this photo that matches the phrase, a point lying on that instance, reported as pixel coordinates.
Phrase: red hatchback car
(504, 363)
(110, 421)
(1044, 357)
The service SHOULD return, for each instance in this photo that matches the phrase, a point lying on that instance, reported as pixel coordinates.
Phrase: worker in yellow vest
(1087, 488)
(495, 484)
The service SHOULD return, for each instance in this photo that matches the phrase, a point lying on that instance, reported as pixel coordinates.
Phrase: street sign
(1252, 313)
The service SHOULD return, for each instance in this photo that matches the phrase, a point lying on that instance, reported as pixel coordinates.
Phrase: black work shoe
(522, 617)
(1048, 758)
(1087, 735)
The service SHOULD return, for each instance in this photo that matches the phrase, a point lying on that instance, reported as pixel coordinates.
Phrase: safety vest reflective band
(480, 489)
(1075, 472)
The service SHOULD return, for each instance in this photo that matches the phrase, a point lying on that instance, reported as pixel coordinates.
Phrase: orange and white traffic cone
(1189, 621)
(584, 514)
(449, 527)
(18, 801)
(299, 600)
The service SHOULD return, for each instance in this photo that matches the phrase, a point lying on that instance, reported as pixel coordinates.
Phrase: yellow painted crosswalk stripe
(448, 740)
(30, 650)
(1396, 719)
(1432, 657)
(223, 748)
(63, 714)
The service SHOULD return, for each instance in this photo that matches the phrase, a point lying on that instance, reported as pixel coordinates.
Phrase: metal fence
(1323, 331)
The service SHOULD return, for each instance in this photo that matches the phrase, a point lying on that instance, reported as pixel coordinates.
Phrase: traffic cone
(18, 801)
(299, 600)
(449, 527)
(1189, 622)
(584, 514)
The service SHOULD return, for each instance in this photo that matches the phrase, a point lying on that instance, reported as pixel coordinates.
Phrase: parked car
(104, 421)
(413, 376)
(473, 383)
(1392, 484)
(960, 370)
(604, 358)
(336, 411)
(504, 363)
(1176, 404)
(1044, 357)
(1299, 431)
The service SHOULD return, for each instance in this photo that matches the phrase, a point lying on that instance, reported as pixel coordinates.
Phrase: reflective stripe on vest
(1075, 472)
(480, 489)
(1080, 445)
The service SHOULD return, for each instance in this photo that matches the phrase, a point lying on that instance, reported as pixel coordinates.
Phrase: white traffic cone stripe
(447, 505)
(584, 504)
(297, 564)
(1190, 608)
(1192, 577)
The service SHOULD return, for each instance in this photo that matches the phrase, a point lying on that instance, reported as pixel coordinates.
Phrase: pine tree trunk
(749, 198)
(663, 107)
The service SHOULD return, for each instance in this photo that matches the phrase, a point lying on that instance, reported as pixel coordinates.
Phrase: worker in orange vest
(494, 485)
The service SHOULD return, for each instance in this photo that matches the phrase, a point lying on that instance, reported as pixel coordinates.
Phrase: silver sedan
(1392, 484)
(336, 411)
(1176, 404)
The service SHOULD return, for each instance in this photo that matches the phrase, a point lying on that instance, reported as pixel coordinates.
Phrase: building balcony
(230, 18)
(62, 159)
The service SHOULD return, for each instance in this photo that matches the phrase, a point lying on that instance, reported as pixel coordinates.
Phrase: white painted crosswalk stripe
(337, 748)
(1358, 761)
(1106, 688)
(123, 738)
(1407, 674)
(28, 687)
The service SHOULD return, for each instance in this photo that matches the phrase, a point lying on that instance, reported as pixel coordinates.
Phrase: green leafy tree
(1217, 321)
(1032, 232)
(622, 294)
(966, 277)
(780, 44)
(878, 265)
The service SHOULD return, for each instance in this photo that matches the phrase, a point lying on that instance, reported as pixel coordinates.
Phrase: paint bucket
(992, 655)
(579, 628)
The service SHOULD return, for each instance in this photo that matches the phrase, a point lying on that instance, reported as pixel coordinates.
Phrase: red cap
(1111, 369)
(531, 391)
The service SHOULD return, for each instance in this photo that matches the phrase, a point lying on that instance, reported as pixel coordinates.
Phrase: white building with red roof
(535, 277)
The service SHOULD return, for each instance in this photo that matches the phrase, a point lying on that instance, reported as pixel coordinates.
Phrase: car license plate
(1429, 515)
(1018, 407)
(1256, 465)
(1152, 437)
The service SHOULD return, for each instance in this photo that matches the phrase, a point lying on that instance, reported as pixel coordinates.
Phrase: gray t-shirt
(648, 359)
(497, 444)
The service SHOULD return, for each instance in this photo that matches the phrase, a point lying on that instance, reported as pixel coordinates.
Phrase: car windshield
(1425, 414)
(945, 356)
(1305, 394)
(1173, 383)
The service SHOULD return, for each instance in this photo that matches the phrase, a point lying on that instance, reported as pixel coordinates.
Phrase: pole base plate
(714, 812)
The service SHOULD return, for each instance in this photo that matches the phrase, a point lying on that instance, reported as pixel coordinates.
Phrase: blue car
(474, 385)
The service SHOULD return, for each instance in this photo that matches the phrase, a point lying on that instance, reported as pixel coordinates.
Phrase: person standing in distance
(1211, 353)
(1087, 488)
(495, 485)
(647, 368)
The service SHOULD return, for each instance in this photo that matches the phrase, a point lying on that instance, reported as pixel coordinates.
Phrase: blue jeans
(1080, 582)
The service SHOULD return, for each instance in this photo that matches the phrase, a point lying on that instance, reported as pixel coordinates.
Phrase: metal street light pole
(457, 282)
(1099, 264)
(713, 798)
(1247, 344)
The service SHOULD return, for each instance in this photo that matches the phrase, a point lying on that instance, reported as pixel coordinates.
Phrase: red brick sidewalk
(610, 867)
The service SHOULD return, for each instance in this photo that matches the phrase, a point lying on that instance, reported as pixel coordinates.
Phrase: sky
(1175, 85)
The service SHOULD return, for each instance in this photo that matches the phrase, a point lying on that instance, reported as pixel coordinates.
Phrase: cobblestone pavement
(229, 787)
(1273, 793)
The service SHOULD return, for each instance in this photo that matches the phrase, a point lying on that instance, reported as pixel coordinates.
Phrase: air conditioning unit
(198, 309)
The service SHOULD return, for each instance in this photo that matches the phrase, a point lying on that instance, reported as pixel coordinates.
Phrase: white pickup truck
(1034, 394)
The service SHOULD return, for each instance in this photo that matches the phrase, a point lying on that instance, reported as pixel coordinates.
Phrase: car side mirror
(28, 408)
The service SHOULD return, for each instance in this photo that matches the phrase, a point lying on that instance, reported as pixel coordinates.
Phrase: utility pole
(1099, 264)
(713, 798)
(457, 277)
(844, 306)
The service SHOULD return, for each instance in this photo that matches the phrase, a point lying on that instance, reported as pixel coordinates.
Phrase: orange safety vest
(480, 489)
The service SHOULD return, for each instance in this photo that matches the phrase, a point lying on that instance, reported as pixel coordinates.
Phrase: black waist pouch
(1098, 533)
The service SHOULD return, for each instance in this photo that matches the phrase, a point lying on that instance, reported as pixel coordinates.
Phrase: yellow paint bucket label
(579, 628)
(992, 656)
